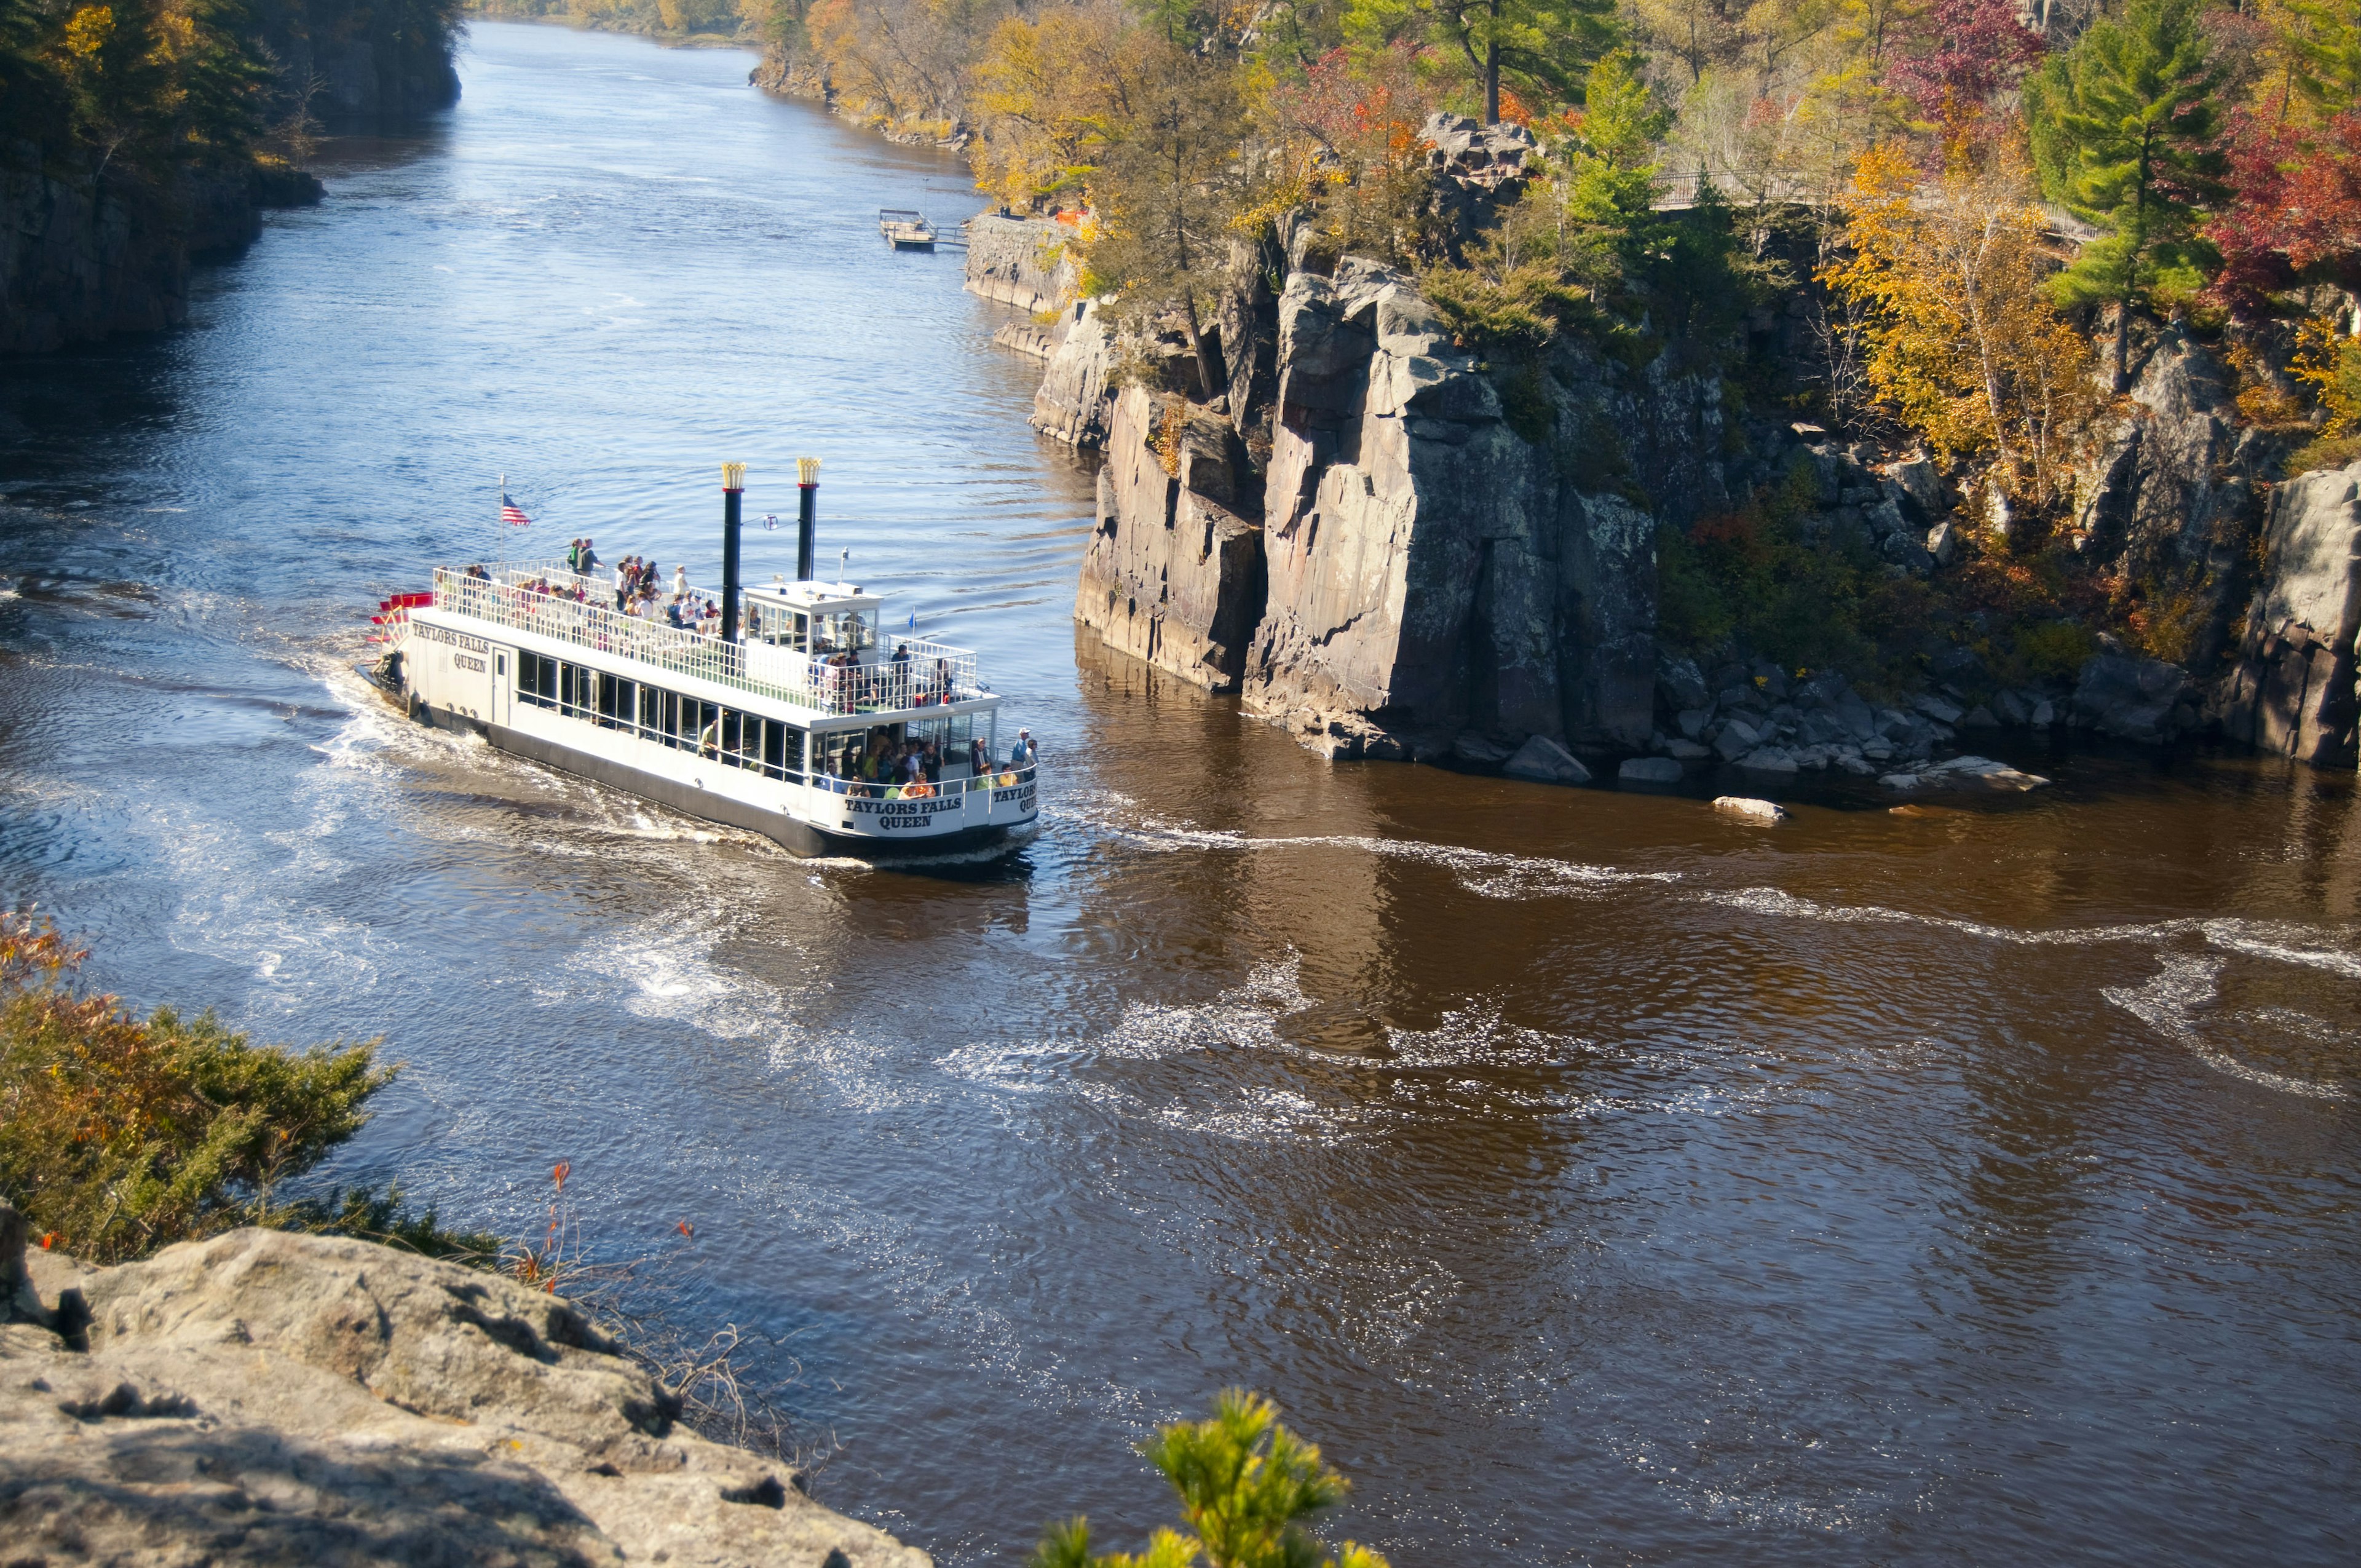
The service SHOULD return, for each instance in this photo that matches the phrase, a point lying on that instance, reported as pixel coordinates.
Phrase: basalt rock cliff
(92, 246)
(267, 1398)
(1393, 548)
(1397, 571)
(84, 256)
(2292, 690)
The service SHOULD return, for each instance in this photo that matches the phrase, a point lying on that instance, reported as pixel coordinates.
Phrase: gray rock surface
(1964, 772)
(2132, 698)
(1173, 574)
(263, 1398)
(2169, 499)
(1542, 759)
(1021, 261)
(2292, 690)
(1648, 771)
(1430, 570)
(1075, 403)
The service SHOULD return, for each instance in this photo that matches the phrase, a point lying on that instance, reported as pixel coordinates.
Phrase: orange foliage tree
(1964, 344)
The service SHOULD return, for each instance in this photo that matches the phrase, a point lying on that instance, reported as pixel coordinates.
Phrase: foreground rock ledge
(271, 1399)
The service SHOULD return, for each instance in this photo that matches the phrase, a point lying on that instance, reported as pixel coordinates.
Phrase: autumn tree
(2293, 218)
(1347, 133)
(1964, 343)
(1544, 45)
(1169, 183)
(2124, 129)
(1050, 92)
(1248, 1488)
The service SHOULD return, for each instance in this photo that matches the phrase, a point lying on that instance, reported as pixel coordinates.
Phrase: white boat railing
(921, 673)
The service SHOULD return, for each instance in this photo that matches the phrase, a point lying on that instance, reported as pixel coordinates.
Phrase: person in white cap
(1021, 754)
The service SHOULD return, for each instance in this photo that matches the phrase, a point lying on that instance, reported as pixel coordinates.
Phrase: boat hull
(790, 833)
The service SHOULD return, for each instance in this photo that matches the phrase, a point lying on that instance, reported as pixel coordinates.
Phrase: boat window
(616, 700)
(537, 679)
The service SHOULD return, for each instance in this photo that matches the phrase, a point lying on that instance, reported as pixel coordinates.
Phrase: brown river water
(1598, 1180)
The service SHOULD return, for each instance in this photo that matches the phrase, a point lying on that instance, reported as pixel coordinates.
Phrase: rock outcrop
(264, 1398)
(1075, 403)
(1431, 571)
(2171, 499)
(82, 258)
(1174, 571)
(1021, 262)
(2291, 691)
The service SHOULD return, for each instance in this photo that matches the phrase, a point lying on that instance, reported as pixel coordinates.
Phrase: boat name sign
(456, 639)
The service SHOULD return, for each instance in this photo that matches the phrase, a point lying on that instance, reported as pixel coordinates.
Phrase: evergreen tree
(2324, 39)
(2124, 134)
(1246, 1487)
(1546, 43)
(1166, 189)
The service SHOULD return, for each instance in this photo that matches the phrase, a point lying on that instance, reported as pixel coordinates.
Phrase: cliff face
(375, 67)
(2292, 690)
(1021, 262)
(1400, 573)
(1431, 571)
(90, 248)
(1174, 571)
(264, 1398)
(82, 258)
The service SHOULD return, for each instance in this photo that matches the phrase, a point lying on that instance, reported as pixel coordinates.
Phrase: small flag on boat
(914, 621)
(513, 514)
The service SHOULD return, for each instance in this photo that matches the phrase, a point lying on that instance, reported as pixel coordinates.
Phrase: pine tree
(2123, 130)
(2325, 42)
(1165, 190)
(1546, 44)
(1246, 1486)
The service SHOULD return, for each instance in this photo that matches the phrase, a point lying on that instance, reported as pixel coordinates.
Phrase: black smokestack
(733, 491)
(806, 516)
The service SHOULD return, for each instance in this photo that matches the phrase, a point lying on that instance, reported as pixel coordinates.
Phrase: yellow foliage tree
(1050, 92)
(1963, 342)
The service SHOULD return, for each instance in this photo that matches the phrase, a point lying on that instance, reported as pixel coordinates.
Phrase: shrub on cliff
(1246, 1486)
(119, 1134)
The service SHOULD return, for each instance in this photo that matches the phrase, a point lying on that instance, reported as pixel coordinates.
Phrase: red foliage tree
(2294, 214)
(1965, 51)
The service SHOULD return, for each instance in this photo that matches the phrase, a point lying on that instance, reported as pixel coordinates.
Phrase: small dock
(904, 230)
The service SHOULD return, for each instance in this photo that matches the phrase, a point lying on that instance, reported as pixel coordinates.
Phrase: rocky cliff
(84, 256)
(1174, 571)
(264, 1398)
(1423, 577)
(2292, 688)
(1021, 261)
(1432, 571)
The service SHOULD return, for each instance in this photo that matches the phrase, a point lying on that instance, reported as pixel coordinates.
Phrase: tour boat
(794, 720)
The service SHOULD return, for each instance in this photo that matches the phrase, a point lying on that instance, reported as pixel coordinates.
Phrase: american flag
(511, 514)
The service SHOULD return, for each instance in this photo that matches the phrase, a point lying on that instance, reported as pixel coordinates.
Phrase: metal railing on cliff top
(544, 605)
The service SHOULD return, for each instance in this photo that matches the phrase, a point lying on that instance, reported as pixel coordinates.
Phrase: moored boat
(906, 229)
(798, 716)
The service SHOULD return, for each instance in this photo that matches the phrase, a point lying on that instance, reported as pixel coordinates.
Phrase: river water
(1598, 1180)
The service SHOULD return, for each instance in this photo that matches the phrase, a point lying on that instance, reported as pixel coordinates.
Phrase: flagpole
(502, 524)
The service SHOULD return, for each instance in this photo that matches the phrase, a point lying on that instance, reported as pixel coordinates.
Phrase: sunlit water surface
(1598, 1180)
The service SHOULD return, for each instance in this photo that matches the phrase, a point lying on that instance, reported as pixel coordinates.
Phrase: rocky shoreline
(1368, 544)
(267, 1397)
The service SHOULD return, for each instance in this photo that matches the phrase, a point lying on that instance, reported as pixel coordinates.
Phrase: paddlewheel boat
(796, 718)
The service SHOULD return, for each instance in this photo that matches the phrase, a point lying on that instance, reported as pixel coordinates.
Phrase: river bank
(1881, 1188)
(267, 1398)
(1495, 594)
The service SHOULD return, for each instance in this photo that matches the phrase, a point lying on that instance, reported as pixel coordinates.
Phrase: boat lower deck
(878, 827)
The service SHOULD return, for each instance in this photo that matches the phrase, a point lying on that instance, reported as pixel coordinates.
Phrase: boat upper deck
(815, 646)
